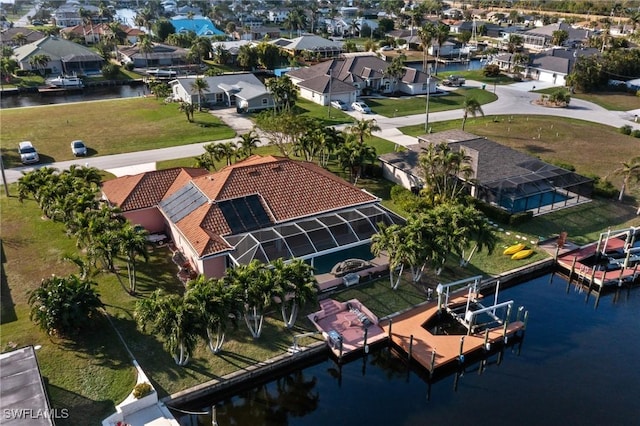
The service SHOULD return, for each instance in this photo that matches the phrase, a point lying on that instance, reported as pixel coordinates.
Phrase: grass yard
(613, 101)
(107, 127)
(411, 105)
(328, 116)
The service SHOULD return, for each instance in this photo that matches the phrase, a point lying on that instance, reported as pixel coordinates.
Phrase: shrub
(407, 200)
(626, 129)
(491, 71)
(129, 66)
(560, 96)
(110, 71)
(636, 133)
(563, 165)
(141, 390)
(494, 213)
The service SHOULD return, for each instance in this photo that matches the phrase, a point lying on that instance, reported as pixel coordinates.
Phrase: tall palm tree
(441, 34)
(386, 240)
(225, 150)
(40, 62)
(294, 285)
(133, 243)
(470, 106)
(630, 171)
(426, 33)
(363, 129)
(395, 70)
(257, 289)
(200, 85)
(173, 319)
(20, 39)
(442, 168)
(353, 156)
(214, 302)
(145, 45)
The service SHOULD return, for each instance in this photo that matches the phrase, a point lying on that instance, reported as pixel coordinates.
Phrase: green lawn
(328, 116)
(411, 105)
(144, 123)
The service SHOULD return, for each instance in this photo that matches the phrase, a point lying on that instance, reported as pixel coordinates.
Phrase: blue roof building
(201, 26)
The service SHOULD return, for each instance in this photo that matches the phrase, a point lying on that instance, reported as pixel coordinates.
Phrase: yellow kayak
(513, 249)
(522, 254)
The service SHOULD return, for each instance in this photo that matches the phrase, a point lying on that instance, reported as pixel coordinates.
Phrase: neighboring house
(503, 177)
(93, 33)
(553, 65)
(362, 72)
(162, 55)
(244, 91)
(232, 47)
(65, 57)
(68, 15)
(257, 33)
(541, 38)
(7, 37)
(449, 48)
(262, 208)
(278, 16)
(314, 44)
(199, 25)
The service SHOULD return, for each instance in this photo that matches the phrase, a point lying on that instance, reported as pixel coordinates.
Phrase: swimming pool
(533, 201)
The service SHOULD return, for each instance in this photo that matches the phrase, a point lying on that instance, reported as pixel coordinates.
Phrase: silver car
(28, 154)
(361, 107)
(78, 148)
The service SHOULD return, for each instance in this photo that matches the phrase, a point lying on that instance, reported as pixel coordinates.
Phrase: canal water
(578, 364)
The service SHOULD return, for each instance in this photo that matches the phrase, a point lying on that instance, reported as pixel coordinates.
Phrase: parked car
(339, 105)
(386, 48)
(454, 80)
(78, 148)
(28, 154)
(361, 107)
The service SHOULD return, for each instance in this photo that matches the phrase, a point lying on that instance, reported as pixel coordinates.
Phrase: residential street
(515, 99)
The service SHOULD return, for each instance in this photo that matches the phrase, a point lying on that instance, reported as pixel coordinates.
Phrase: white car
(78, 148)
(361, 107)
(338, 104)
(386, 48)
(28, 154)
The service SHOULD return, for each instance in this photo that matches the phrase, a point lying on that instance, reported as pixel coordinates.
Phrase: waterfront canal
(577, 365)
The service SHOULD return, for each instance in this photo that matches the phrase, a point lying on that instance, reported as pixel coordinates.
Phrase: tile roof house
(317, 45)
(65, 57)
(503, 177)
(261, 208)
(353, 75)
(93, 33)
(245, 91)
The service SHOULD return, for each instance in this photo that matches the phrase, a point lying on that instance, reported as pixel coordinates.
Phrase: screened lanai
(311, 237)
(545, 188)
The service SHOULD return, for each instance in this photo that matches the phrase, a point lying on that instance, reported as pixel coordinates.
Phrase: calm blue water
(533, 202)
(578, 365)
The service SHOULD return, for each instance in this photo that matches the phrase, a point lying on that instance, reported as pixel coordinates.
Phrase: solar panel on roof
(183, 202)
(244, 214)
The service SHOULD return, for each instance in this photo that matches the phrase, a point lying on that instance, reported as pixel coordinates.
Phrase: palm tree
(363, 129)
(442, 168)
(255, 283)
(214, 302)
(187, 108)
(441, 34)
(294, 285)
(386, 240)
(63, 305)
(248, 142)
(353, 156)
(470, 106)
(481, 232)
(133, 243)
(200, 85)
(173, 319)
(426, 34)
(225, 150)
(40, 62)
(145, 46)
(395, 70)
(20, 39)
(629, 171)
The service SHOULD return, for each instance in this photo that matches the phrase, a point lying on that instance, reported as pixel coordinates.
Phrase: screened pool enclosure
(544, 188)
(311, 237)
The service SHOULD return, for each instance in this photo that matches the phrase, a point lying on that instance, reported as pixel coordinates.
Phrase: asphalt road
(514, 99)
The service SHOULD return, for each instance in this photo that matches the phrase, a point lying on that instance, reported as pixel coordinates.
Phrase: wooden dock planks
(447, 347)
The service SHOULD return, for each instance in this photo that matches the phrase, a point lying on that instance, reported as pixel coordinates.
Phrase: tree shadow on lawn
(7, 306)
(81, 410)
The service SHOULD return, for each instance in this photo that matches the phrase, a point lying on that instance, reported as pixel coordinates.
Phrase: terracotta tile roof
(287, 189)
(146, 190)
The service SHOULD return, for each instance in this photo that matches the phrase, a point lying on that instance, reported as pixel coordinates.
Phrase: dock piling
(409, 352)
(433, 362)
(390, 324)
(366, 347)
(506, 324)
(573, 268)
(341, 348)
(214, 420)
(487, 345)
(461, 355)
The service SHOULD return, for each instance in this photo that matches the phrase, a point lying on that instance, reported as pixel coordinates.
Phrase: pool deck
(447, 348)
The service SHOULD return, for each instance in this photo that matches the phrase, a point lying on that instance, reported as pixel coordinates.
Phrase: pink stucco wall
(150, 219)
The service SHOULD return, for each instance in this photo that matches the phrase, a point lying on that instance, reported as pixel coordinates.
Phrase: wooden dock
(409, 334)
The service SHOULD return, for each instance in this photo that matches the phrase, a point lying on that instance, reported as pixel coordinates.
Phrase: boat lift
(473, 307)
